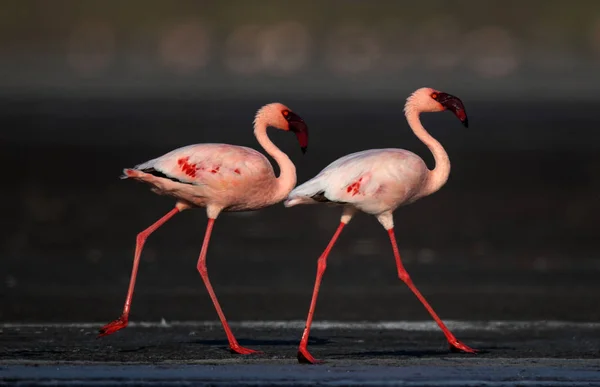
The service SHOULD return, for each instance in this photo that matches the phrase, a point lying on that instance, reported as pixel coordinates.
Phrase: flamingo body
(374, 181)
(234, 178)
(220, 177)
(377, 182)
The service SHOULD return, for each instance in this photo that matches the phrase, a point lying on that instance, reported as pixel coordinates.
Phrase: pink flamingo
(378, 181)
(220, 177)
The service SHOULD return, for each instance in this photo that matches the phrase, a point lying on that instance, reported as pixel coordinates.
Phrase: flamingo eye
(285, 113)
(434, 95)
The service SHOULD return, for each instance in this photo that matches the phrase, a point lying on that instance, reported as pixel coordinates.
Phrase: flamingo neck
(287, 171)
(439, 175)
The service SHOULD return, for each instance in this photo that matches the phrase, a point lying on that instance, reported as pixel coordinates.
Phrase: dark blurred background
(90, 87)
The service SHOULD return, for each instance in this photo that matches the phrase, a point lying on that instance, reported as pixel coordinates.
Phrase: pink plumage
(233, 178)
(220, 177)
(377, 182)
(362, 180)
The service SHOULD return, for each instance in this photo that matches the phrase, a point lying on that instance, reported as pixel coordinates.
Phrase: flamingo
(378, 181)
(220, 177)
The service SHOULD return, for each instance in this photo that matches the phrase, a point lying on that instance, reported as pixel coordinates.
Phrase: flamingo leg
(122, 321)
(233, 344)
(303, 355)
(455, 345)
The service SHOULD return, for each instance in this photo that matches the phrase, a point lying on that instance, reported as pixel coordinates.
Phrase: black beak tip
(466, 122)
(303, 149)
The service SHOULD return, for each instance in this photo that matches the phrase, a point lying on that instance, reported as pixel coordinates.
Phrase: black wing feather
(156, 173)
(320, 197)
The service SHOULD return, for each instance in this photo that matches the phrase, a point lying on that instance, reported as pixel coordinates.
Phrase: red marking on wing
(215, 170)
(187, 168)
(237, 170)
(354, 187)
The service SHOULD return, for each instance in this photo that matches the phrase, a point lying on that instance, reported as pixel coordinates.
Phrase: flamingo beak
(298, 126)
(455, 105)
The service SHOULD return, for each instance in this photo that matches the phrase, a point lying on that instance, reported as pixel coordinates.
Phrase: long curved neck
(287, 171)
(439, 175)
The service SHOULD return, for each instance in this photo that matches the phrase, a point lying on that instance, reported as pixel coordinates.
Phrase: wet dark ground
(567, 355)
(451, 373)
(513, 236)
(358, 342)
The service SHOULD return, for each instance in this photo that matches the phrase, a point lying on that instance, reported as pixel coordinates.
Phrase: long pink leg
(233, 344)
(403, 274)
(122, 321)
(303, 355)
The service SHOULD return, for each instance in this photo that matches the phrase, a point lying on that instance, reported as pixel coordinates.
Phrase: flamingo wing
(203, 164)
(356, 177)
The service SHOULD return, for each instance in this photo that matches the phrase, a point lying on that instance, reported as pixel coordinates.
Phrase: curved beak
(297, 125)
(455, 105)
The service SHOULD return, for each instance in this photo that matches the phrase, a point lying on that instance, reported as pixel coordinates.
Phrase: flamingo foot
(457, 346)
(114, 326)
(304, 357)
(242, 351)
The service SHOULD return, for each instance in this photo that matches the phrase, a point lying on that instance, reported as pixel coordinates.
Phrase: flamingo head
(430, 100)
(281, 117)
